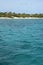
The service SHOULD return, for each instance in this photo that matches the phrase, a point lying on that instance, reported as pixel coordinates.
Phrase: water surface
(21, 42)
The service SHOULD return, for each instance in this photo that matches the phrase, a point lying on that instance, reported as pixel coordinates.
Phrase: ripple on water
(21, 42)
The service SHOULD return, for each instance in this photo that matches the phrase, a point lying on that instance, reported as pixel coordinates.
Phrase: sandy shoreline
(20, 18)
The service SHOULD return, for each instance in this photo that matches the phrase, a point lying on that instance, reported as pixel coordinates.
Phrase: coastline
(20, 18)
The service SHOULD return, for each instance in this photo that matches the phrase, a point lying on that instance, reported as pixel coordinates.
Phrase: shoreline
(20, 18)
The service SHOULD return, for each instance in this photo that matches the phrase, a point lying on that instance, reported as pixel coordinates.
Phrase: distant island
(23, 15)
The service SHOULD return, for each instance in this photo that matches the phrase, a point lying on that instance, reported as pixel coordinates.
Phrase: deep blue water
(21, 42)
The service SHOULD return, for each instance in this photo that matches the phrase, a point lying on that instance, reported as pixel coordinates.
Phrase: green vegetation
(11, 15)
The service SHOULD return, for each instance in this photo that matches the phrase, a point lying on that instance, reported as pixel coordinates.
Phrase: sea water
(21, 42)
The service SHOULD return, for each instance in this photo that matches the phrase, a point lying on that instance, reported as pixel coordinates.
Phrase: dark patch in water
(22, 41)
(26, 46)
(1, 40)
(5, 63)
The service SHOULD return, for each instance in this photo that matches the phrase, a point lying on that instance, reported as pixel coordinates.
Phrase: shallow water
(21, 42)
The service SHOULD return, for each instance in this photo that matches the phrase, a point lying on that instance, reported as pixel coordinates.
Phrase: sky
(21, 6)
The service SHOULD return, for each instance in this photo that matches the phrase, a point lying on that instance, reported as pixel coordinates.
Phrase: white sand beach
(20, 18)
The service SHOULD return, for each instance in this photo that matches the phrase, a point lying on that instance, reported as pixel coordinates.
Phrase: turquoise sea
(21, 42)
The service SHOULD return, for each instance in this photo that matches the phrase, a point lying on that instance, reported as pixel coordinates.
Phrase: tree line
(11, 15)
